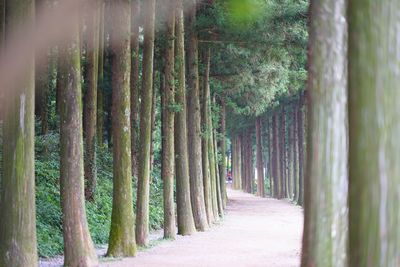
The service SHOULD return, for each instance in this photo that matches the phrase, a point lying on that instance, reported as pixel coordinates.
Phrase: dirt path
(255, 232)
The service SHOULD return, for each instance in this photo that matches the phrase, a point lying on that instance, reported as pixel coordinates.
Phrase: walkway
(255, 232)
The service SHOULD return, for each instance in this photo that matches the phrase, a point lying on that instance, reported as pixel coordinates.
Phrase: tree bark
(100, 84)
(122, 232)
(218, 179)
(78, 246)
(135, 86)
(325, 239)
(194, 125)
(282, 144)
(18, 222)
(222, 148)
(276, 157)
(143, 192)
(295, 156)
(374, 133)
(168, 102)
(205, 140)
(300, 119)
(90, 105)
(184, 209)
(259, 156)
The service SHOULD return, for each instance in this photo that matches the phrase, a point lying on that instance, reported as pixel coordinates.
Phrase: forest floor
(255, 232)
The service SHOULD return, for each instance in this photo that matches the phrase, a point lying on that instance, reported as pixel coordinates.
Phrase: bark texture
(122, 232)
(374, 75)
(259, 157)
(143, 192)
(325, 239)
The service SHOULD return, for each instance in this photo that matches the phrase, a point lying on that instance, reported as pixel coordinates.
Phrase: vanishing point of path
(255, 232)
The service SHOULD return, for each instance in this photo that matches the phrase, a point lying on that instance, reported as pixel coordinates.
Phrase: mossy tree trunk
(205, 140)
(122, 232)
(18, 222)
(135, 86)
(184, 209)
(194, 124)
(259, 157)
(90, 103)
(325, 239)
(78, 246)
(143, 192)
(167, 168)
(374, 76)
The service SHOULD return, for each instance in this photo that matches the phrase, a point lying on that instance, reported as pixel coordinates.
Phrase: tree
(18, 223)
(143, 193)
(259, 157)
(100, 86)
(78, 246)
(374, 133)
(325, 229)
(122, 232)
(168, 102)
(222, 148)
(184, 210)
(194, 125)
(90, 105)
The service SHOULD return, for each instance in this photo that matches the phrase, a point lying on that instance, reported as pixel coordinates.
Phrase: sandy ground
(255, 232)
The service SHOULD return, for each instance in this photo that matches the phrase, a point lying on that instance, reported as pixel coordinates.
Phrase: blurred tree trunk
(282, 146)
(300, 132)
(218, 178)
(90, 103)
(184, 209)
(325, 239)
(205, 140)
(276, 157)
(100, 86)
(194, 124)
(122, 232)
(135, 86)
(295, 156)
(259, 157)
(374, 133)
(78, 246)
(143, 191)
(167, 167)
(222, 148)
(18, 221)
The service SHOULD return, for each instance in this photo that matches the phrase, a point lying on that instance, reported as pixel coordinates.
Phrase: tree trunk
(100, 84)
(184, 209)
(205, 140)
(260, 164)
(18, 222)
(276, 157)
(325, 236)
(168, 102)
(90, 104)
(78, 246)
(222, 148)
(374, 133)
(194, 127)
(135, 86)
(122, 232)
(218, 179)
(300, 120)
(295, 156)
(282, 144)
(143, 192)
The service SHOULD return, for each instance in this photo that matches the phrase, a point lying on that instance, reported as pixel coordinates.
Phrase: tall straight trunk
(184, 209)
(218, 179)
(153, 114)
(243, 161)
(18, 221)
(143, 191)
(222, 148)
(135, 86)
(100, 81)
(374, 133)
(167, 167)
(270, 155)
(282, 144)
(122, 232)
(325, 239)
(276, 157)
(90, 104)
(194, 124)
(295, 156)
(259, 157)
(205, 140)
(78, 246)
(289, 156)
(300, 120)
